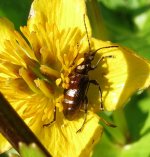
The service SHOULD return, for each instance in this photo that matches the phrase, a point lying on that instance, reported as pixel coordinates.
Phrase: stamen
(44, 87)
(49, 71)
(26, 75)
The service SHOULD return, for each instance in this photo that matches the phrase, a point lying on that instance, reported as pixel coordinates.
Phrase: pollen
(41, 61)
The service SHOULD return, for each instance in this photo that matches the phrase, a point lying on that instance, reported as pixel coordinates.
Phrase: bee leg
(54, 119)
(100, 93)
(85, 113)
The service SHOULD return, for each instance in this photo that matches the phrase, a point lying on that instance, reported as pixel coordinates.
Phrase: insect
(75, 97)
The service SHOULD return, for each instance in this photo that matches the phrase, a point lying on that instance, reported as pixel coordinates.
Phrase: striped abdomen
(74, 96)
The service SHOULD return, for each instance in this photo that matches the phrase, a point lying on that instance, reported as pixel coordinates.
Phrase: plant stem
(14, 129)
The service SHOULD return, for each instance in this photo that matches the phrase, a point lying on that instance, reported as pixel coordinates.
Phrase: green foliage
(16, 11)
(132, 135)
(30, 151)
(25, 151)
(127, 22)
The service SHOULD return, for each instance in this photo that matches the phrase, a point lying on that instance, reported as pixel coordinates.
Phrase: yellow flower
(34, 69)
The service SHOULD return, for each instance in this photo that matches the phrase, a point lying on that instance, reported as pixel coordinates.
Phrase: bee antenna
(87, 33)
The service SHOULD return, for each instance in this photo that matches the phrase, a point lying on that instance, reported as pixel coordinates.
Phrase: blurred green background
(126, 22)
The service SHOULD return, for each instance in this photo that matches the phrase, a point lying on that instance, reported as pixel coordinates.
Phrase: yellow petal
(6, 27)
(120, 76)
(64, 13)
(53, 36)
(63, 139)
(60, 138)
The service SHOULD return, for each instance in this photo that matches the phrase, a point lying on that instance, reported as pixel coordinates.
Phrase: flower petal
(63, 139)
(64, 14)
(120, 76)
(62, 133)
(6, 28)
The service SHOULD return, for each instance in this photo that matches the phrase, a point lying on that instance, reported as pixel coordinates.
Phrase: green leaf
(131, 139)
(16, 11)
(30, 151)
(128, 23)
(10, 153)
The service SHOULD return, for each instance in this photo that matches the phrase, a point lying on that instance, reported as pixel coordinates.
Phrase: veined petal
(120, 76)
(63, 139)
(37, 110)
(65, 14)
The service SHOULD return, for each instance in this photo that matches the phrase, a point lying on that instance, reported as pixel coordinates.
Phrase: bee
(75, 96)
